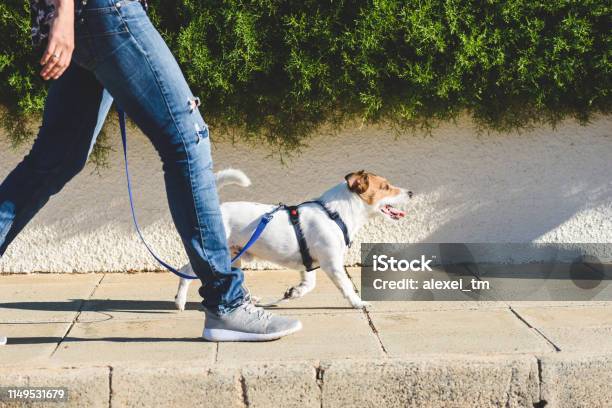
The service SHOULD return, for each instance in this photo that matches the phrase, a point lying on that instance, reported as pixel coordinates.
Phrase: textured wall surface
(546, 185)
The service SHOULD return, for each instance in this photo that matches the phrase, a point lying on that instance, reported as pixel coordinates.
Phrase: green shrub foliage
(276, 70)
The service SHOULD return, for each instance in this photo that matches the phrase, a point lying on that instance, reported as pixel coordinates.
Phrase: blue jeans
(120, 55)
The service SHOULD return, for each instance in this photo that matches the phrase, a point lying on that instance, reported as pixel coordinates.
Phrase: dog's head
(380, 196)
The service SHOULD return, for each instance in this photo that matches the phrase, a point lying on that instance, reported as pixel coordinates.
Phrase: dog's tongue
(394, 212)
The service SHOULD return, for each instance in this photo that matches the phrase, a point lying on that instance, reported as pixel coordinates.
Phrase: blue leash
(265, 219)
(263, 223)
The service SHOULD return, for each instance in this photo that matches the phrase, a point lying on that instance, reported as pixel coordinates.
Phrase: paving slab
(427, 306)
(134, 340)
(456, 331)
(344, 335)
(560, 304)
(140, 296)
(143, 279)
(44, 297)
(573, 328)
(461, 382)
(87, 387)
(325, 297)
(38, 279)
(30, 343)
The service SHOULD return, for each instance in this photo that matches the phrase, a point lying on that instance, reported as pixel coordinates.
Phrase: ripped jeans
(120, 55)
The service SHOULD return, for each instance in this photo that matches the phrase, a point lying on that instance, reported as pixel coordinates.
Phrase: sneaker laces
(251, 308)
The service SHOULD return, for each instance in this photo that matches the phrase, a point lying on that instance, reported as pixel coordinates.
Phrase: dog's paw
(295, 292)
(360, 304)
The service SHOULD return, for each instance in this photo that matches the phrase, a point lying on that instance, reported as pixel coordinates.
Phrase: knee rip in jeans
(194, 103)
(200, 133)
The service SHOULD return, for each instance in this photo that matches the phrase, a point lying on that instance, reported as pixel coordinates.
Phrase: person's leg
(75, 109)
(134, 64)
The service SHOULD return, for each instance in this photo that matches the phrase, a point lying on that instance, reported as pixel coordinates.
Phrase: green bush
(276, 70)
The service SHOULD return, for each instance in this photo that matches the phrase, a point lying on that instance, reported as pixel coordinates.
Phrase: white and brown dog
(360, 197)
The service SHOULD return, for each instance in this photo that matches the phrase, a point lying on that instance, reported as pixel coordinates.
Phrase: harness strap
(337, 219)
(294, 218)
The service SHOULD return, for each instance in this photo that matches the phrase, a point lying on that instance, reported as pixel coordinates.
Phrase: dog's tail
(232, 176)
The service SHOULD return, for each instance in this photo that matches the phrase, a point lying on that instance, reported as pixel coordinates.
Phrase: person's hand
(58, 54)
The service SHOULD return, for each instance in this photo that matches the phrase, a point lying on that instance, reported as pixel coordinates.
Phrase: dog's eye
(386, 187)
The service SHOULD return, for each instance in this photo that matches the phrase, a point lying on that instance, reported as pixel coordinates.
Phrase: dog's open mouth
(392, 212)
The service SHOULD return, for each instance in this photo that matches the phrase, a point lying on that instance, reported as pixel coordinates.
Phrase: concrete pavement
(116, 340)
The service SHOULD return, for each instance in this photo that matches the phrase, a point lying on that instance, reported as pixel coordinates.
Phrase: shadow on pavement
(101, 305)
(55, 340)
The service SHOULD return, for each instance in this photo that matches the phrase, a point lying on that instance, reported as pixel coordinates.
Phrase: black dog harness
(294, 218)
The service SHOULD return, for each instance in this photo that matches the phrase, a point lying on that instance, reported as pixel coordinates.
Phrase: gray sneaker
(3, 340)
(248, 323)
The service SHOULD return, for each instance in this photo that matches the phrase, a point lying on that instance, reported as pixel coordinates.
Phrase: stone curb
(570, 380)
(577, 380)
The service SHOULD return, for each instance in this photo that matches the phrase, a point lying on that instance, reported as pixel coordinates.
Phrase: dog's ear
(357, 182)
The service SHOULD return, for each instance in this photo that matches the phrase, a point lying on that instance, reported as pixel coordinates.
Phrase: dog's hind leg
(181, 294)
(307, 284)
(335, 271)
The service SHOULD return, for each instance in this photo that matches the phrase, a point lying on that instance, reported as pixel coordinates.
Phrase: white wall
(544, 185)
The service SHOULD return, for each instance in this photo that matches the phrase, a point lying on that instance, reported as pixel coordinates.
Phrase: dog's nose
(410, 194)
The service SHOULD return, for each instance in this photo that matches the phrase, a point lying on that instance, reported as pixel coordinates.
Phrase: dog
(360, 197)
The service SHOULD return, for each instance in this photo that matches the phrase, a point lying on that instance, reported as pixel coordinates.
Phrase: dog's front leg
(335, 271)
(307, 284)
